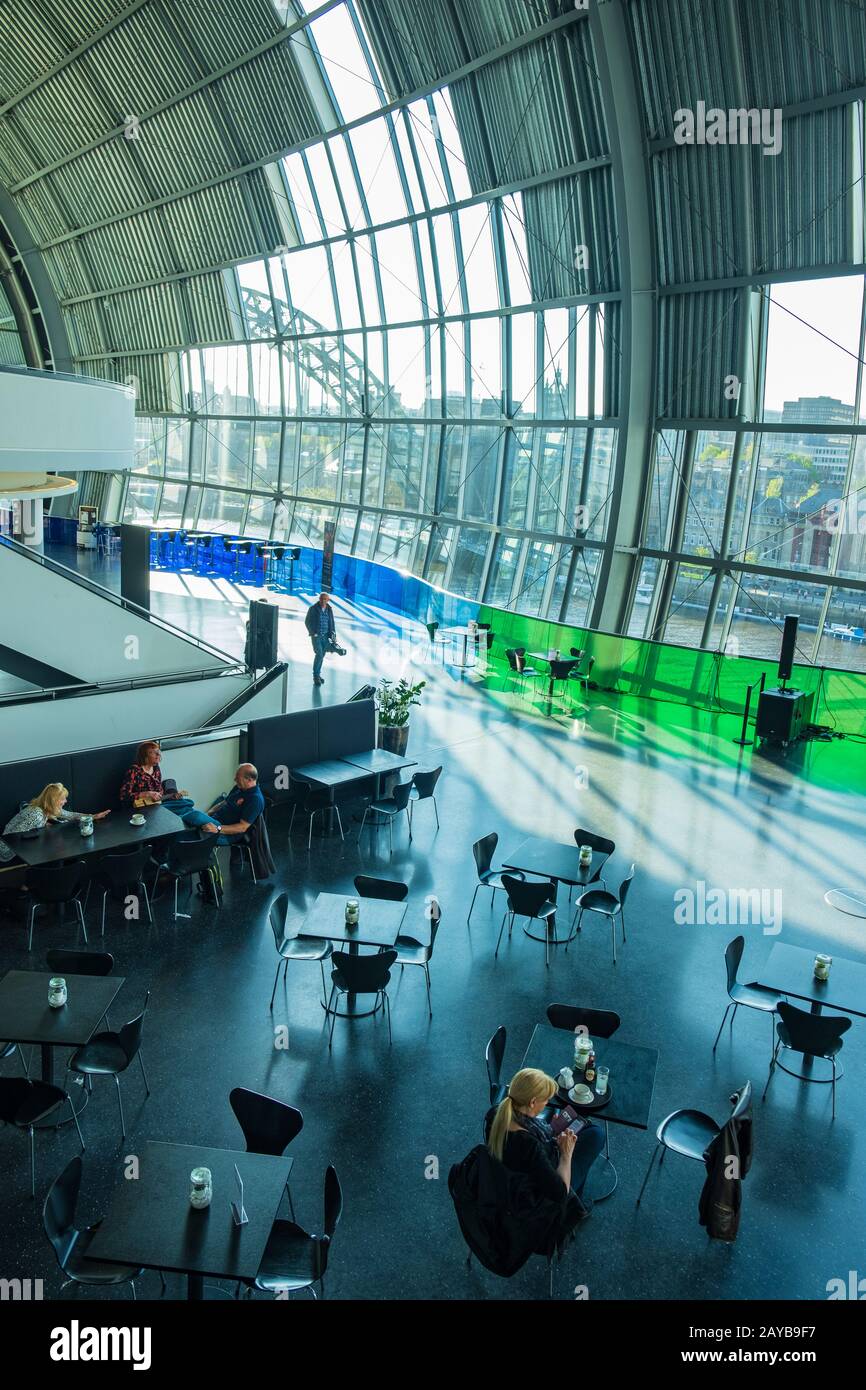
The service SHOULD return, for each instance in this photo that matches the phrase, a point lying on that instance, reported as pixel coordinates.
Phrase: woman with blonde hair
(47, 806)
(518, 1137)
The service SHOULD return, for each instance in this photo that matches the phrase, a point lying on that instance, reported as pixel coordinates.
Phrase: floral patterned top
(29, 818)
(140, 781)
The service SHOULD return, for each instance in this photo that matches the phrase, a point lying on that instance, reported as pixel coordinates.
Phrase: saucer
(136, 822)
(581, 1095)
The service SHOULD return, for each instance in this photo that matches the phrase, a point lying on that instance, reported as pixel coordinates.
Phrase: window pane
(812, 348)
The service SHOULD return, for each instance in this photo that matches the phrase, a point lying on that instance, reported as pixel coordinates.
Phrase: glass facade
(403, 368)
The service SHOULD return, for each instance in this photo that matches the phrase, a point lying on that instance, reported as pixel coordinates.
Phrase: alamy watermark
(736, 126)
(729, 907)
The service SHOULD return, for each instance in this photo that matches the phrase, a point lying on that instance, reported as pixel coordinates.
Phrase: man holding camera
(323, 634)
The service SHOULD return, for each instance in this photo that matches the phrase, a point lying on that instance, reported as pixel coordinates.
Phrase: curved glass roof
(451, 276)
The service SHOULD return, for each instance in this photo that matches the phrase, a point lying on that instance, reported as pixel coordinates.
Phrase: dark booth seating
(21, 781)
(309, 736)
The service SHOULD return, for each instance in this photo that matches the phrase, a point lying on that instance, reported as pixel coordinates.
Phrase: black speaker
(135, 565)
(789, 644)
(262, 628)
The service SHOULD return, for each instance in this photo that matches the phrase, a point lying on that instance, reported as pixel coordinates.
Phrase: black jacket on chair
(501, 1216)
(722, 1195)
(260, 848)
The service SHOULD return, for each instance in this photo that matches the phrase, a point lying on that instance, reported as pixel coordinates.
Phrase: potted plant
(394, 703)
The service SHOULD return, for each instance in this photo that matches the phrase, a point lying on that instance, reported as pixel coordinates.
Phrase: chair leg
(427, 976)
(391, 834)
(147, 902)
(274, 990)
(363, 821)
(81, 920)
(104, 897)
(310, 832)
(120, 1103)
(613, 937)
(30, 937)
(333, 1018)
(291, 1203)
(292, 821)
(32, 1163)
(436, 810)
(322, 969)
(143, 1072)
(501, 930)
(340, 823)
(648, 1171)
(833, 1088)
(472, 904)
(721, 1026)
(387, 1004)
(772, 1069)
(622, 922)
(77, 1125)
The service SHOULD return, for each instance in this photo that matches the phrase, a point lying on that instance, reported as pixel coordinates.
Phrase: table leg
(197, 1291)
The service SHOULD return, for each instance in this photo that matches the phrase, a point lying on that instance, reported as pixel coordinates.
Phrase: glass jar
(85, 825)
(57, 992)
(201, 1188)
(583, 1050)
(585, 855)
(353, 912)
(822, 967)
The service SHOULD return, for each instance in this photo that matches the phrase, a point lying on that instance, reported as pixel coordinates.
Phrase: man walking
(323, 633)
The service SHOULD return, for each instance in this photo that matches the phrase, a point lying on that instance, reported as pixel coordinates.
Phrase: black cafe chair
(600, 844)
(314, 801)
(423, 788)
(361, 975)
(391, 807)
(593, 1023)
(8, 1049)
(560, 673)
(70, 1243)
(752, 996)
(183, 859)
(410, 951)
(386, 889)
(488, 877)
(23, 1103)
(813, 1036)
(110, 1053)
(533, 900)
(608, 905)
(118, 875)
(268, 1125)
(63, 883)
(294, 947)
(296, 1259)
(95, 963)
(494, 1055)
(690, 1133)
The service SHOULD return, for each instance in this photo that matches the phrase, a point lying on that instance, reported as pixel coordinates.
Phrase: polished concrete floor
(682, 803)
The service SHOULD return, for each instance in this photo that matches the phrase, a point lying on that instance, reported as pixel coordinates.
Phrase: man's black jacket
(312, 622)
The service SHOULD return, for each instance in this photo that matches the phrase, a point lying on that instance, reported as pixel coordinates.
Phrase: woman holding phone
(518, 1137)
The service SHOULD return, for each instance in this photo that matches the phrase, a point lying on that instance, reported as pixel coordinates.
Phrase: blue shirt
(240, 804)
(324, 621)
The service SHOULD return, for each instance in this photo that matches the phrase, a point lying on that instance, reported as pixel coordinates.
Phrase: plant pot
(395, 739)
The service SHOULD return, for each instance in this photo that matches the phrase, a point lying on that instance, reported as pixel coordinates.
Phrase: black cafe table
(63, 841)
(550, 859)
(790, 970)
(27, 1017)
(379, 924)
(150, 1223)
(378, 763)
(632, 1077)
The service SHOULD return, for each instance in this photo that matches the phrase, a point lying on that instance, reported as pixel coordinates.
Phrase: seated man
(233, 814)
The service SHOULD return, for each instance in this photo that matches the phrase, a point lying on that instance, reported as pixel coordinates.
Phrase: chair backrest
(561, 670)
(401, 794)
(511, 658)
(58, 1212)
(387, 889)
(744, 1100)
(277, 913)
(269, 1125)
(80, 962)
(491, 636)
(191, 856)
(56, 884)
(525, 896)
(733, 956)
(598, 842)
(484, 851)
(129, 1036)
(432, 629)
(364, 974)
(588, 667)
(599, 1023)
(425, 782)
(576, 652)
(121, 870)
(625, 886)
(812, 1034)
(494, 1056)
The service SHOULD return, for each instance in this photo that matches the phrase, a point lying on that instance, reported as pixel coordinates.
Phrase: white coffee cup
(582, 1094)
(137, 820)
